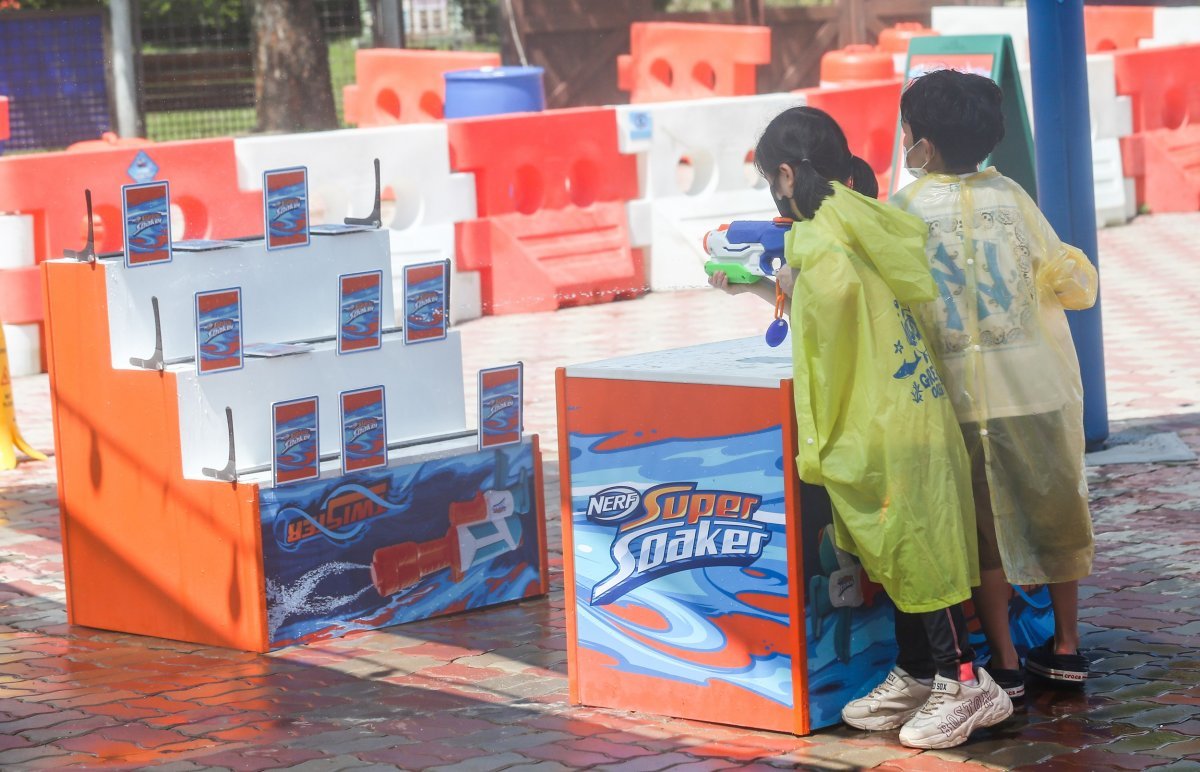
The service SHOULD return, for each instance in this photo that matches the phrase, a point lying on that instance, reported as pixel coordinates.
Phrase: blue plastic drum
(494, 91)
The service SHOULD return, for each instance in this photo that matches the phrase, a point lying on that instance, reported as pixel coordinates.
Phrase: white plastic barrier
(422, 197)
(984, 20)
(1111, 119)
(16, 251)
(695, 168)
(1174, 27)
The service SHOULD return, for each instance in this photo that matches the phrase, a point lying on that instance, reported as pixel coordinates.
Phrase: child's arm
(1062, 268)
(763, 289)
(1072, 278)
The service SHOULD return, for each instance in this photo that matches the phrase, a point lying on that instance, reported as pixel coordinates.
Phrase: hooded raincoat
(875, 425)
(1000, 333)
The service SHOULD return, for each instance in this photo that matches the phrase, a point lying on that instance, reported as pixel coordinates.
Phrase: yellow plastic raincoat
(1001, 336)
(875, 426)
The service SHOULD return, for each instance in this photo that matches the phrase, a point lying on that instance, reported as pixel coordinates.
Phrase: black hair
(811, 143)
(958, 112)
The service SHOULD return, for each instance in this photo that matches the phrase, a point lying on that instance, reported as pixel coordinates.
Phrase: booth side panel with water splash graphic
(396, 545)
(701, 575)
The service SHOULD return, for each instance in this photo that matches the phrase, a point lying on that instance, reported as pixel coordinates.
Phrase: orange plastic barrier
(1164, 96)
(1170, 163)
(21, 295)
(856, 64)
(867, 113)
(396, 85)
(1161, 83)
(4, 130)
(551, 190)
(1115, 27)
(894, 39)
(670, 61)
(202, 173)
(108, 140)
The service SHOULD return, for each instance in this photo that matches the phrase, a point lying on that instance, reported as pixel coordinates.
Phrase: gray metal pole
(124, 65)
(391, 17)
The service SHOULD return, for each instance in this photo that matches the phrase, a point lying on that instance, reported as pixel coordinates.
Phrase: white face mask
(916, 171)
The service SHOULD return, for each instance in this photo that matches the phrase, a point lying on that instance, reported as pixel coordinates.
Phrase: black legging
(933, 642)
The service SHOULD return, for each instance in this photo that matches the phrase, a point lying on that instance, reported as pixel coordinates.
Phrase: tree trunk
(292, 85)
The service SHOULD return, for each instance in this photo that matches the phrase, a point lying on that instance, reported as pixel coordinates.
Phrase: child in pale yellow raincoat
(1008, 362)
(875, 425)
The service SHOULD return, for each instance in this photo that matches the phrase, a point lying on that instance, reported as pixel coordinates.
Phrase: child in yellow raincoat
(1008, 362)
(876, 427)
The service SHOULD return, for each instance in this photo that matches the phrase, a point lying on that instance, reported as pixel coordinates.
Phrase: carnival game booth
(702, 579)
(221, 488)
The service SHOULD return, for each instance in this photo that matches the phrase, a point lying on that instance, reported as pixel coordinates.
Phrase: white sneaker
(889, 704)
(954, 710)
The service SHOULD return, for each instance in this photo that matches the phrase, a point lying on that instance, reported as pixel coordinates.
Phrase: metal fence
(197, 68)
(197, 63)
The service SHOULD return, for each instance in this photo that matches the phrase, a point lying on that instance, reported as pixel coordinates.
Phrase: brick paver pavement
(487, 691)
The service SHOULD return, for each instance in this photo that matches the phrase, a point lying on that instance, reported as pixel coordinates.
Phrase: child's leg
(1058, 659)
(905, 689)
(992, 595)
(1064, 597)
(991, 606)
(963, 698)
(948, 643)
(914, 656)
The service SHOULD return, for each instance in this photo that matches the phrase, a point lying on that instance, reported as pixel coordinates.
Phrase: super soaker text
(674, 527)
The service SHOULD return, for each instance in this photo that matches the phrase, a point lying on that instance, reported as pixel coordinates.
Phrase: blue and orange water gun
(746, 250)
(749, 250)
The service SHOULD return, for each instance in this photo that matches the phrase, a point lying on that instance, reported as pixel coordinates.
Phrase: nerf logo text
(674, 527)
(612, 505)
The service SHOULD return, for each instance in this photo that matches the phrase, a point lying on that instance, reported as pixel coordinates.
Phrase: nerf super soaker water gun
(746, 250)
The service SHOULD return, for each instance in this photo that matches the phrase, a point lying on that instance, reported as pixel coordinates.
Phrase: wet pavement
(487, 690)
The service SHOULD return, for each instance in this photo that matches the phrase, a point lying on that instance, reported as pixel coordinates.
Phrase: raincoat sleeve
(1063, 269)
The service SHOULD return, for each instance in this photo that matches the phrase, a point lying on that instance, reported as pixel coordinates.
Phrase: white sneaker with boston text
(954, 710)
(889, 704)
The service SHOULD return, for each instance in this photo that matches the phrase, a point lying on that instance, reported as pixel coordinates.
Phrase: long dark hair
(811, 143)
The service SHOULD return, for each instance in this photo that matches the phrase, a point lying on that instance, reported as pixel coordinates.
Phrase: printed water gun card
(219, 331)
(360, 298)
(296, 456)
(146, 217)
(501, 405)
(364, 430)
(285, 207)
(426, 291)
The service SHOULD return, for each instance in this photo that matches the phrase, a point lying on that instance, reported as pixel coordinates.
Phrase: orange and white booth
(702, 579)
(174, 521)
